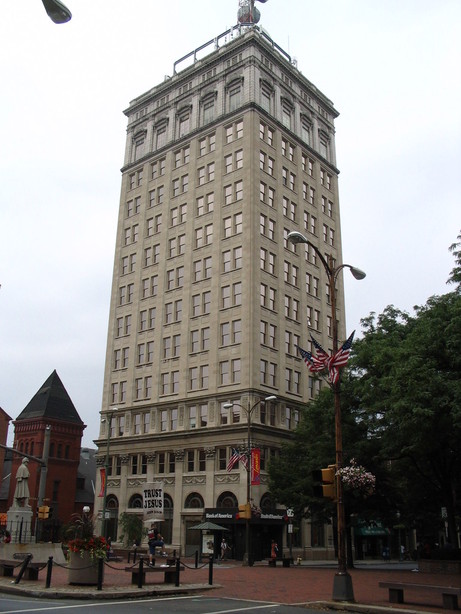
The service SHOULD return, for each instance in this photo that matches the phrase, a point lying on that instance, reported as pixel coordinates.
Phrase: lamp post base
(247, 560)
(342, 587)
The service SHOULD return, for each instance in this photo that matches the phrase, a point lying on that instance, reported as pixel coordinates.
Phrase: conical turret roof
(51, 401)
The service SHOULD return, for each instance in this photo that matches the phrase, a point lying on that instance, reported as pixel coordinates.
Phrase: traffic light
(327, 486)
(244, 511)
(43, 512)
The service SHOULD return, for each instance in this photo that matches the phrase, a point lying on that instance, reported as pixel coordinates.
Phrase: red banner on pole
(102, 473)
(255, 467)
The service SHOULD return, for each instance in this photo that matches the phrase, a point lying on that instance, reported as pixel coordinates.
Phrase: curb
(108, 593)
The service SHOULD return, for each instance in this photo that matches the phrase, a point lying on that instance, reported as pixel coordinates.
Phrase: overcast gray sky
(391, 68)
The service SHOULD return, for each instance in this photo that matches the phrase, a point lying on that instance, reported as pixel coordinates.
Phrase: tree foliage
(133, 529)
(401, 414)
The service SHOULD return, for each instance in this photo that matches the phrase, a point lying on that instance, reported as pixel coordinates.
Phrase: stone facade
(209, 300)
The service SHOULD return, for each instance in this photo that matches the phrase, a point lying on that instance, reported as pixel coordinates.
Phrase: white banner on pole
(153, 501)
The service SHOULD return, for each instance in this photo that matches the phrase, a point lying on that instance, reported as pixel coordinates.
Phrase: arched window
(112, 502)
(227, 499)
(167, 524)
(194, 500)
(135, 502)
(267, 503)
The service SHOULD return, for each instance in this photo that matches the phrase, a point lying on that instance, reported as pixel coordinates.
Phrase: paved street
(156, 605)
(307, 585)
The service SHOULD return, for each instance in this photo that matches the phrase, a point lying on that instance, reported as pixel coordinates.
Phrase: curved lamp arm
(297, 237)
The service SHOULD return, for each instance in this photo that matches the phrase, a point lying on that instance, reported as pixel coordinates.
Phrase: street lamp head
(296, 237)
(228, 405)
(357, 273)
(272, 397)
(57, 11)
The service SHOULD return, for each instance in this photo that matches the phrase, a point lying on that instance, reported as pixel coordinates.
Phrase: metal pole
(210, 571)
(106, 471)
(246, 557)
(42, 484)
(100, 573)
(342, 585)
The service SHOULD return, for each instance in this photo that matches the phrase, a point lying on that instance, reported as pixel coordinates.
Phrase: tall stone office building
(209, 299)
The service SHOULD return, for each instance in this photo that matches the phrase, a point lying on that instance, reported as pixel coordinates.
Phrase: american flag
(324, 361)
(322, 356)
(340, 359)
(312, 362)
(235, 457)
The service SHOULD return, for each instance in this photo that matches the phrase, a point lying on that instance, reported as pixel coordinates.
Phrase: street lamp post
(106, 471)
(249, 411)
(342, 586)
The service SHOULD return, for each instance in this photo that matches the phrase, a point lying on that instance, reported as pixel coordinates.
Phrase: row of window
(230, 333)
(181, 156)
(229, 372)
(232, 193)
(194, 461)
(56, 450)
(197, 417)
(288, 149)
(231, 296)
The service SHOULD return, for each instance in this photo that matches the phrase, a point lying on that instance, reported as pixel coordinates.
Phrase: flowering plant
(96, 546)
(356, 477)
(79, 537)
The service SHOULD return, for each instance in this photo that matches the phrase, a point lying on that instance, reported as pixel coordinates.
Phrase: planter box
(439, 566)
(82, 570)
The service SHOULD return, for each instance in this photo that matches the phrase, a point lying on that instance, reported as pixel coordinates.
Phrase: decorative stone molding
(227, 479)
(124, 459)
(136, 482)
(179, 455)
(194, 479)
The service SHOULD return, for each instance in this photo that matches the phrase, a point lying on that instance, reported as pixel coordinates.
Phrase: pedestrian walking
(223, 549)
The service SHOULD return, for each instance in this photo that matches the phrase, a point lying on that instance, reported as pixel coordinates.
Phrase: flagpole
(342, 584)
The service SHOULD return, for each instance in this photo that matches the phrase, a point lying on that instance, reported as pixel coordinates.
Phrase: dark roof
(2, 411)
(51, 401)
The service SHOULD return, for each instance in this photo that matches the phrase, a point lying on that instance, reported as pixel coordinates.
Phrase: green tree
(133, 529)
(409, 382)
(455, 276)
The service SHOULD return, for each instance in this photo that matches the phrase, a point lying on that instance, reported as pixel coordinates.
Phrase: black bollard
(140, 571)
(210, 571)
(49, 567)
(27, 560)
(100, 572)
(178, 564)
(196, 559)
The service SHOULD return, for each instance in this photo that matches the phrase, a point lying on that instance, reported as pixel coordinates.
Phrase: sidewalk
(308, 583)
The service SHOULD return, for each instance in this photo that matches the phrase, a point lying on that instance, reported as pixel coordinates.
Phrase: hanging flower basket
(357, 480)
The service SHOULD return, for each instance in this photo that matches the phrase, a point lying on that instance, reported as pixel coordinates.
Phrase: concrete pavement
(309, 583)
